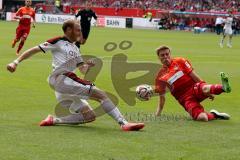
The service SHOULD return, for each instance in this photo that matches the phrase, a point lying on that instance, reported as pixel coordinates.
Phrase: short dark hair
(162, 48)
(68, 23)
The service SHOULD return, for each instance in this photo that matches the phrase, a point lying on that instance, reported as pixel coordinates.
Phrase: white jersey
(228, 23)
(67, 86)
(219, 20)
(66, 55)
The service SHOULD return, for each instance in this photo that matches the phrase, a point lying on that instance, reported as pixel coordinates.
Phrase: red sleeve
(19, 12)
(160, 86)
(186, 66)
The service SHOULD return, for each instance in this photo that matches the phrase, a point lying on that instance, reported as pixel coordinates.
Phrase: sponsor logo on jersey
(175, 77)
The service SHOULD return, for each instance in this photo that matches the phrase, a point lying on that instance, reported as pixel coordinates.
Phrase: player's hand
(11, 67)
(211, 97)
(90, 62)
(157, 114)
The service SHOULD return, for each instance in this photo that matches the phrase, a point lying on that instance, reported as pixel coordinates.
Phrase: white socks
(70, 119)
(113, 111)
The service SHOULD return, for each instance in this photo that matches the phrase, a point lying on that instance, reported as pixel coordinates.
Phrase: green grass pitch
(25, 99)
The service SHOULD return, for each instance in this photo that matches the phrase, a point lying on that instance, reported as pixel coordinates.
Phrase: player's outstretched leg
(216, 89)
(225, 82)
(113, 111)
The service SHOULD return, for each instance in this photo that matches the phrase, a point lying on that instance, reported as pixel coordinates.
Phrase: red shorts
(191, 100)
(22, 32)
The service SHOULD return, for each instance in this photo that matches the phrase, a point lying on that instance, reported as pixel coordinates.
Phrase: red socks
(216, 89)
(211, 116)
(20, 46)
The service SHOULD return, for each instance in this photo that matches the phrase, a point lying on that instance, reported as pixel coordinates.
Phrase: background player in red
(24, 15)
(187, 87)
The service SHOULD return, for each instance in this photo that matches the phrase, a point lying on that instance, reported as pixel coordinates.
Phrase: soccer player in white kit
(70, 90)
(227, 31)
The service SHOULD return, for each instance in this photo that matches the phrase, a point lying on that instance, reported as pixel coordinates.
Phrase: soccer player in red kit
(24, 15)
(187, 87)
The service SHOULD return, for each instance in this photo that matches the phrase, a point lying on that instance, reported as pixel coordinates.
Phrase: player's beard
(166, 61)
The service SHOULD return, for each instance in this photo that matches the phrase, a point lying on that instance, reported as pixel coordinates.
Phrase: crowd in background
(180, 5)
(176, 22)
(183, 5)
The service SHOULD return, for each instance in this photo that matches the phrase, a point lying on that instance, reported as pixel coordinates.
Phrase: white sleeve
(46, 46)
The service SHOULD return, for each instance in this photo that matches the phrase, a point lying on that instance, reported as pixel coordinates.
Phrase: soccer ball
(144, 92)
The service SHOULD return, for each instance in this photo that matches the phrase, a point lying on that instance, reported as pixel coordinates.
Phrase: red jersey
(26, 14)
(176, 77)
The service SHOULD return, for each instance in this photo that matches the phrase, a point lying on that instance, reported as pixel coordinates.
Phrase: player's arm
(11, 67)
(160, 105)
(195, 77)
(188, 69)
(78, 14)
(85, 66)
(94, 15)
(160, 90)
(18, 14)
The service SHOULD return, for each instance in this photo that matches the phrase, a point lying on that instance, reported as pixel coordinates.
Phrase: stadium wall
(102, 21)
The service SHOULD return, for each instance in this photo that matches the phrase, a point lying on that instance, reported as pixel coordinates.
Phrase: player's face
(76, 32)
(28, 3)
(165, 57)
(88, 6)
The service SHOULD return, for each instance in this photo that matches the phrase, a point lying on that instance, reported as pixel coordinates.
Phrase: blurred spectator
(3, 13)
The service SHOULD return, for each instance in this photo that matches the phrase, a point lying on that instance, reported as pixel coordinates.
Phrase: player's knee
(99, 94)
(202, 117)
(89, 116)
(206, 88)
(103, 95)
(23, 39)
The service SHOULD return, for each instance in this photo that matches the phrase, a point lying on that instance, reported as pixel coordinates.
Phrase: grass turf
(26, 99)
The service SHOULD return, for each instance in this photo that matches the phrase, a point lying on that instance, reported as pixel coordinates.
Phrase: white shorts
(70, 90)
(72, 85)
(227, 31)
(72, 102)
